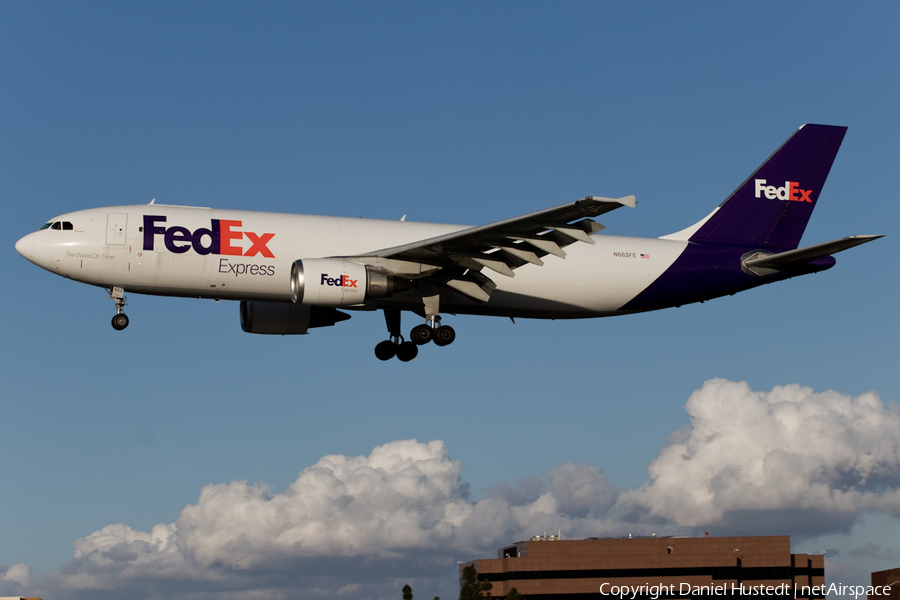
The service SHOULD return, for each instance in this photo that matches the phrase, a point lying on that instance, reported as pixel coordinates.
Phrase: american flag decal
(645, 256)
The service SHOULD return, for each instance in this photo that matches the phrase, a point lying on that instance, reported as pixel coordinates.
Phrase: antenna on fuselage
(152, 201)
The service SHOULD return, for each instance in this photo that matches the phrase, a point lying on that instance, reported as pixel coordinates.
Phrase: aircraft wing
(457, 259)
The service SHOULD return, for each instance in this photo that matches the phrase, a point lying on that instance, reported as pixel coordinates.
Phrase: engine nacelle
(279, 318)
(334, 282)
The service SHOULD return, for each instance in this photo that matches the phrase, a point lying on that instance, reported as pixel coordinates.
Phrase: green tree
(514, 595)
(472, 589)
(407, 592)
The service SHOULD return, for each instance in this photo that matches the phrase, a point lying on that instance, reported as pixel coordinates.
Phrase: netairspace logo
(784, 590)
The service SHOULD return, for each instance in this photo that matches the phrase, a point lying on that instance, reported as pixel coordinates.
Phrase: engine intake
(279, 318)
(335, 282)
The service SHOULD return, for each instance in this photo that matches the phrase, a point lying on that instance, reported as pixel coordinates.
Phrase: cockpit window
(64, 225)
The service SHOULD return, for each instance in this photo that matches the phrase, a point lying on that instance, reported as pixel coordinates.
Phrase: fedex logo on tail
(342, 281)
(791, 191)
(220, 237)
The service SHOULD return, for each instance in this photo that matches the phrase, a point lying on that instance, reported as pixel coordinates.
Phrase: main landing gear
(442, 335)
(120, 319)
(432, 331)
(396, 346)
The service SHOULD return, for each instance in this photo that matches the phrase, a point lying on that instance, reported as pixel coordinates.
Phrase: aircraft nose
(25, 247)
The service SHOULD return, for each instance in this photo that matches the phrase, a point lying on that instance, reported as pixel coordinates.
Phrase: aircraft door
(115, 228)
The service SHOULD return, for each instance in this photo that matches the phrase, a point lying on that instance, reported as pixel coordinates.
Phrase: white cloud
(19, 573)
(401, 509)
(581, 490)
(403, 495)
(362, 526)
(790, 458)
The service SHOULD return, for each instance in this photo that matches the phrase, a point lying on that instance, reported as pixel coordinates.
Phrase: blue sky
(465, 113)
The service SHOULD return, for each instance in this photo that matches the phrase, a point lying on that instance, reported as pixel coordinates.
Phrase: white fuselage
(170, 251)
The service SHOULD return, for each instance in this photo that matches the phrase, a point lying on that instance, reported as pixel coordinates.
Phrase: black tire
(444, 335)
(421, 334)
(407, 351)
(120, 321)
(386, 350)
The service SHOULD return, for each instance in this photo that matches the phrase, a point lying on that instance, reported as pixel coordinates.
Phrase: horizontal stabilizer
(765, 264)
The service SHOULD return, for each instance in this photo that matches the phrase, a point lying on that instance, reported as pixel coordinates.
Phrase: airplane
(292, 273)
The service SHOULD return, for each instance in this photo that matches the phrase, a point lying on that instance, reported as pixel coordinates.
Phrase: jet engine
(279, 318)
(335, 282)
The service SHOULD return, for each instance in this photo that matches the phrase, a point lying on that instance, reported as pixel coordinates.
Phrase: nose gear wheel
(120, 319)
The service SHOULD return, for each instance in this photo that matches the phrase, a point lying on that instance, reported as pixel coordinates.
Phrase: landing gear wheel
(120, 321)
(385, 350)
(421, 334)
(444, 335)
(407, 351)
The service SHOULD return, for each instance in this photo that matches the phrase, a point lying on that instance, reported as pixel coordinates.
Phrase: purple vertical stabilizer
(771, 208)
(767, 212)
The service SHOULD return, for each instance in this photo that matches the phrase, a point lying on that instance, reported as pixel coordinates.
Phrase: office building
(547, 568)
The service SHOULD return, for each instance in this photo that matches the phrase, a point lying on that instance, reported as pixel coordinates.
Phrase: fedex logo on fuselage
(220, 237)
(790, 191)
(342, 281)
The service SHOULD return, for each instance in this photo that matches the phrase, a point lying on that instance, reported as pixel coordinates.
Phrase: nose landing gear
(120, 319)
